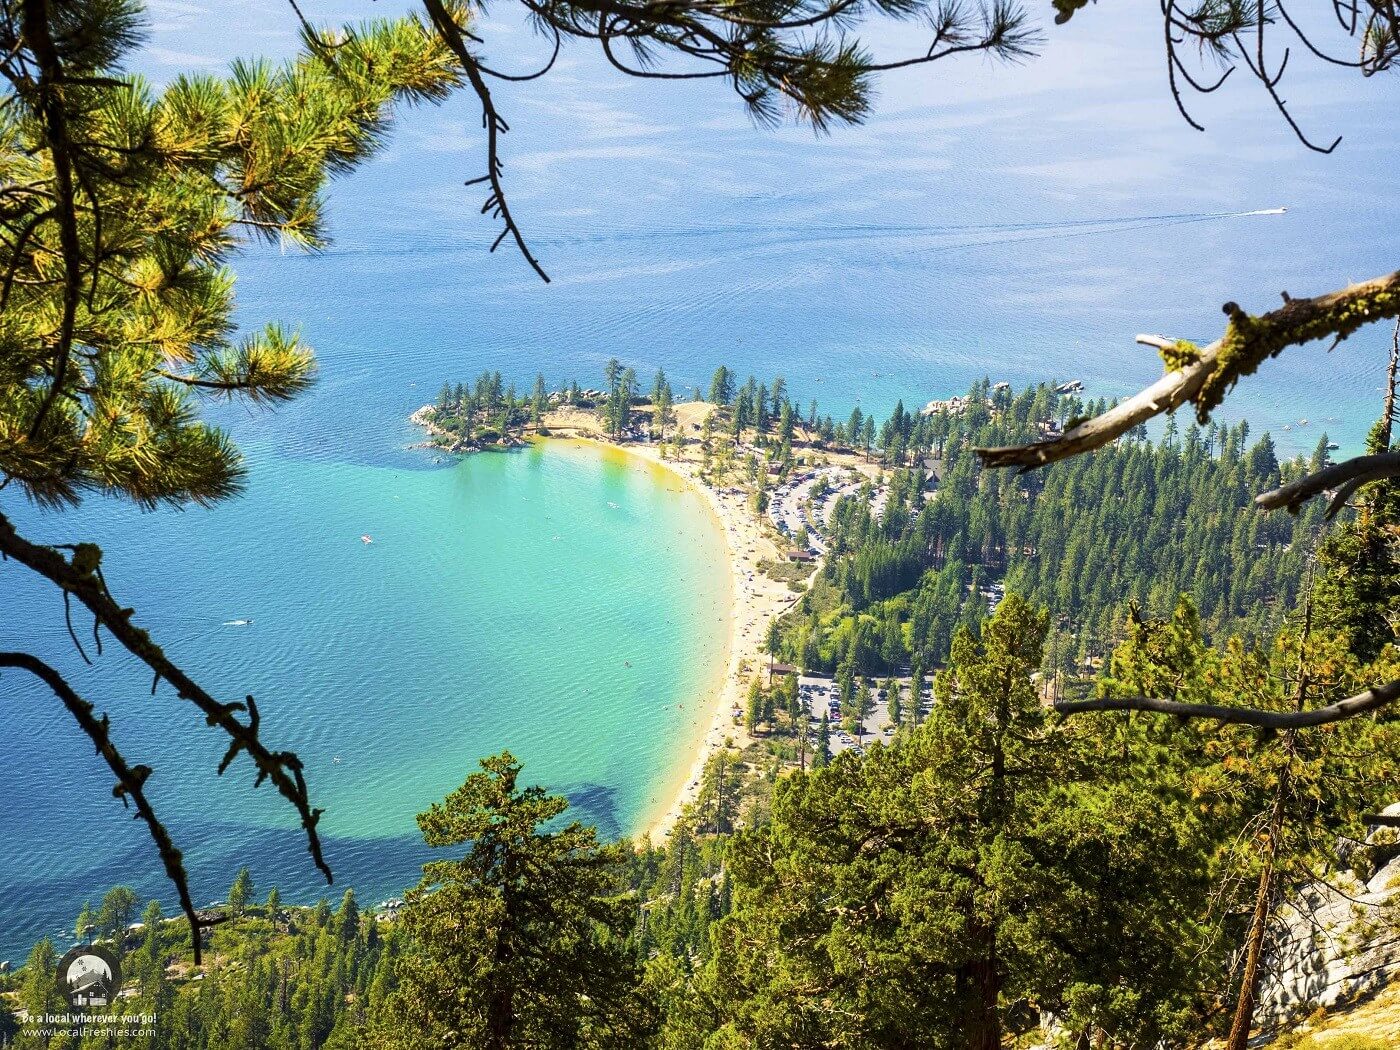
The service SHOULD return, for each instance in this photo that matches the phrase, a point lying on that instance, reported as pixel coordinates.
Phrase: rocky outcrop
(1337, 942)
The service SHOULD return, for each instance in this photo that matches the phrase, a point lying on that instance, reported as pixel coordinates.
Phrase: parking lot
(822, 696)
(792, 508)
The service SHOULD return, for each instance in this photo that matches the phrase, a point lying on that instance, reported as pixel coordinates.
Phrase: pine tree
(753, 710)
(117, 913)
(1358, 586)
(1272, 799)
(519, 941)
(859, 709)
(990, 858)
(241, 892)
(86, 923)
(150, 959)
(914, 711)
(39, 994)
(347, 917)
(721, 387)
(821, 754)
(661, 399)
(539, 403)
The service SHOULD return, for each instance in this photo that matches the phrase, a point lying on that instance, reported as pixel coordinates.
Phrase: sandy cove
(755, 600)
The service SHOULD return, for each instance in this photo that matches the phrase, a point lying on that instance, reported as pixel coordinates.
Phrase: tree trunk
(983, 1021)
(500, 1018)
(1263, 901)
(500, 1002)
(1263, 908)
(983, 1017)
(1388, 414)
(719, 795)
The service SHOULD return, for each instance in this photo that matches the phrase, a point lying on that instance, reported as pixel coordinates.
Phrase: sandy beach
(755, 599)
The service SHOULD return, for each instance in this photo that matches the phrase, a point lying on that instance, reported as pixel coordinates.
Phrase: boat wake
(780, 233)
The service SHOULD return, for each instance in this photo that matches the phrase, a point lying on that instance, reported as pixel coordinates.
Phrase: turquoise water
(1018, 223)
(562, 601)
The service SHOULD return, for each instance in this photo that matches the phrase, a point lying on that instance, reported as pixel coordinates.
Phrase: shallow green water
(565, 601)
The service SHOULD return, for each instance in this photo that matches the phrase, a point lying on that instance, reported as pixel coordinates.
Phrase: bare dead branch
(1388, 405)
(1297, 321)
(81, 577)
(1348, 475)
(131, 780)
(523, 77)
(1363, 703)
(452, 35)
(1216, 33)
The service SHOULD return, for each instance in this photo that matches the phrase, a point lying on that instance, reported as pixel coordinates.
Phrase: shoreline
(754, 599)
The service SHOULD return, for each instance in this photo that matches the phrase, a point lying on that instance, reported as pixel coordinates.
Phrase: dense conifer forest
(1135, 526)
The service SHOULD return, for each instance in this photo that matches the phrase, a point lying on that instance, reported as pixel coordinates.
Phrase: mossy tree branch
(1203, 377)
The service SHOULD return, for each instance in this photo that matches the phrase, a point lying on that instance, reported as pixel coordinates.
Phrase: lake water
(1018, 223)
(566, 602)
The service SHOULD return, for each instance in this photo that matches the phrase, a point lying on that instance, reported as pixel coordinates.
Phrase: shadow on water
(377, 868)
(595, 804)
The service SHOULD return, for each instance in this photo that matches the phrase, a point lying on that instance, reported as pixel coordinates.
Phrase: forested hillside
(987, 876)
(1141, 523)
